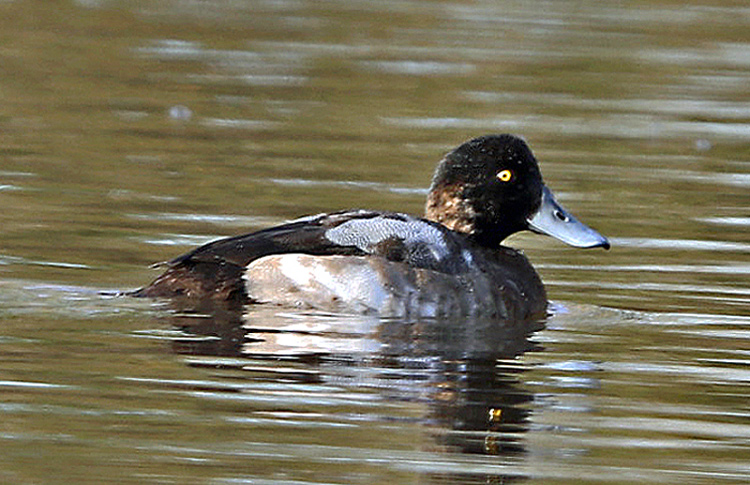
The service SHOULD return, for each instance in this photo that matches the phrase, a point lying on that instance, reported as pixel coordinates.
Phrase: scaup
(449, 263)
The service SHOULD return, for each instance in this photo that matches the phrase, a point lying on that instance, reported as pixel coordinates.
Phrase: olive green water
(131, 131)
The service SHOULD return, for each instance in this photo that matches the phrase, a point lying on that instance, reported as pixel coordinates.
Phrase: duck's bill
(553, 220)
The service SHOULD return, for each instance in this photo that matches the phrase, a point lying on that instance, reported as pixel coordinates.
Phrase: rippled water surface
(132, 131)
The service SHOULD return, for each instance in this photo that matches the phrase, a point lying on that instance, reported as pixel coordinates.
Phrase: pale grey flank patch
(365, 234)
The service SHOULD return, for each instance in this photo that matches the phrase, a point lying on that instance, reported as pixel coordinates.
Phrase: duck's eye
(504, 175)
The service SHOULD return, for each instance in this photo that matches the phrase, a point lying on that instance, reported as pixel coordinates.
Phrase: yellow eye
(504, 175)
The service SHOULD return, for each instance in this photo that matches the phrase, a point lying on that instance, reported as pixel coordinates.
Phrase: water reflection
(640, 114)
(463, 376)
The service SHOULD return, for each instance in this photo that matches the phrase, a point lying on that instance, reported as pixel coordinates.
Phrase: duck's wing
(394, 236)
(306, 235)
(216, 268)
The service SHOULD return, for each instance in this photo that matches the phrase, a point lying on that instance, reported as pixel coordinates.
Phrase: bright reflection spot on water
(729, 221)
(685, 244)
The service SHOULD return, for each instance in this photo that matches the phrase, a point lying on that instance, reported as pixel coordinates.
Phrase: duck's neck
(446, 206)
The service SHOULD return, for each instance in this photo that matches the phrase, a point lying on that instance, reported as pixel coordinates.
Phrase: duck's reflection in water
(464, 373)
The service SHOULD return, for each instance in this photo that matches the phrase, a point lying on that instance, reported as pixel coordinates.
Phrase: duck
(449, 263)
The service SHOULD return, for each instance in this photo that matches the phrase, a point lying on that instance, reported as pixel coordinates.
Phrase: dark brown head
(491, 187)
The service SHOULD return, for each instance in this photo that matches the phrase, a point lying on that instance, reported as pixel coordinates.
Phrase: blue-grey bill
(553, 220)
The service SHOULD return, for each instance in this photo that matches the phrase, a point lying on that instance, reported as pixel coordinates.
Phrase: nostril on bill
(562, 216)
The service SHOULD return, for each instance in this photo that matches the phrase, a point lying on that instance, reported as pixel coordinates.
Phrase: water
(132, 131)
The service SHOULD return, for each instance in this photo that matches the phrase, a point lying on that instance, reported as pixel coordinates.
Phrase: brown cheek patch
(446, 206)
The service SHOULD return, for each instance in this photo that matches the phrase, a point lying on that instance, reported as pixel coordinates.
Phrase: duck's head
(491, 187)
